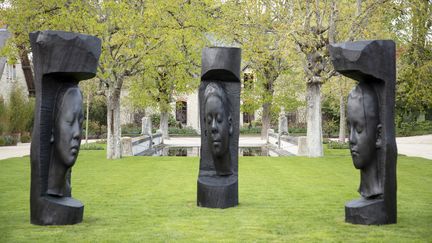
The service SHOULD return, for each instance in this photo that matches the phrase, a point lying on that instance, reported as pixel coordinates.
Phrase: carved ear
(230, 125)
(378, 142)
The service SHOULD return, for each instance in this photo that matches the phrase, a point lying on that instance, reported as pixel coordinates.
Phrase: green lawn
(154, 199)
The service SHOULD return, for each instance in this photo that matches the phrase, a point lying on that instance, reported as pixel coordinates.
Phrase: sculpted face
(217, 121)
(364, 126)
(68, 127)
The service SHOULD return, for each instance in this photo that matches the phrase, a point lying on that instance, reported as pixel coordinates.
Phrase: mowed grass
(153, 199)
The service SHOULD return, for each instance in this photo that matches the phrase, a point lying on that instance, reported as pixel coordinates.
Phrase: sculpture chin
(217, 149)
(71, 160)
(357, 161)
(360, 162)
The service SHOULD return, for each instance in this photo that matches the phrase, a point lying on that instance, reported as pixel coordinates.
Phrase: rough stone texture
(61, 60)
(126, 143)
(146, 127)
(372, 64)
(302, 146)
(218, 187)
(283, 124)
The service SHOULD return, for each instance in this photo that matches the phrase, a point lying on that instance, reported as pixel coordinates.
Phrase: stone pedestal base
(362, 211)
(59, 211)
(217, 191)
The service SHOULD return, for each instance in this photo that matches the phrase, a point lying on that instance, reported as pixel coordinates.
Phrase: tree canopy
(152, 49)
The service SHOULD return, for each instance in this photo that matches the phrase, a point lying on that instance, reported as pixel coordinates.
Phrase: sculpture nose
(352, 137)
(213, 126)
(76, 131)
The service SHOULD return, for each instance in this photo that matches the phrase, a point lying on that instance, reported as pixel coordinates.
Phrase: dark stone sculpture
(61, 60)
(371, 123)
(219, 97)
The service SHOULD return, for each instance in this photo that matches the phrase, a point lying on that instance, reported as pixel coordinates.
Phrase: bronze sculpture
(219, 96)
(61, 60)
(371, 107)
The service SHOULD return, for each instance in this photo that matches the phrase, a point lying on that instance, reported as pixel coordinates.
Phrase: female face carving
(364, 126)
(217, 120)
(68, 127)
(217, 126)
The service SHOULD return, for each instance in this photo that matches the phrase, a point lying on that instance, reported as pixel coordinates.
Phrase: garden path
(418, 146)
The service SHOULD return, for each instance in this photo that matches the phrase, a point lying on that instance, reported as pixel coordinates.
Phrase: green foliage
(414, 84)
(185, 131)
(8, 140)
(285, 199)
(414, 128)
(96, 130)
(337, 145)
(330, 127)
(4, 116)
(21, 111)
(131, 129)
(16, 115)
(297, 130)
(25, 138)
(98, 111)
(254, 26)
(250, 130)
(155, 119)
(91, 146)
(173, 66)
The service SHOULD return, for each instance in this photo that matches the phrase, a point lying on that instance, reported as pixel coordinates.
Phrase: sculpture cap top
(221, 63)
(363, 59)
(66, 53)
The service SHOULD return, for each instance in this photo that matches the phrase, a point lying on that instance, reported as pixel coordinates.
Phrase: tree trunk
(266, 118)
(342, 119)
(314, 124)
(113, 124)
(28, 75)
(164, 115)
(87, 117)
(359, 7)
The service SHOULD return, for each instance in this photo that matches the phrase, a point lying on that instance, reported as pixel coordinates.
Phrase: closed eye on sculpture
(219, 118)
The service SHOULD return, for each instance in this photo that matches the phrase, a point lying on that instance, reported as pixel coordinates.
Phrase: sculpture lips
(74, 149)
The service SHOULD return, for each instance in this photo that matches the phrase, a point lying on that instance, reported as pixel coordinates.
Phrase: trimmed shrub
(414, 128)
(130, 129)
(91, 146)
(25, 138)
(182, 131)
(337, 145)
(8, 140)
(252, 130)
(297, 130)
